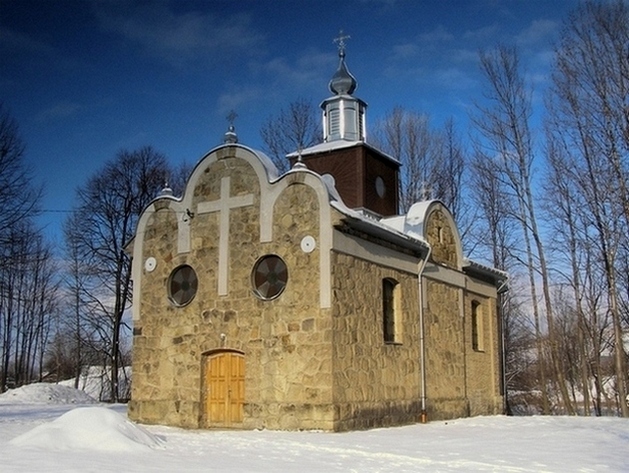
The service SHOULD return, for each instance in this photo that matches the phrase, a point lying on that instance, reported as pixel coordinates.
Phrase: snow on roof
(338, 144)
(412, 223)
(379, 227)
(496, 273)
(89, 428)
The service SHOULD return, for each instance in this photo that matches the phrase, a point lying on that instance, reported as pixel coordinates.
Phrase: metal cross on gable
(223, 205)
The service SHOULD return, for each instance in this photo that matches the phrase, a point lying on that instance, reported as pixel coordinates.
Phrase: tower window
(335, 122)
(390, 301)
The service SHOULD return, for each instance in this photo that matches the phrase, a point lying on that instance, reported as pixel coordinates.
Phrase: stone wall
(375, 383)
(443, 239)
(445, 351)
(483, 365)
(286, 341)
(308, 365)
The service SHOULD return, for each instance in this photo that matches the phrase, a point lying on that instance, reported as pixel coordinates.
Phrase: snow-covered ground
(96, 382)
(42, 428)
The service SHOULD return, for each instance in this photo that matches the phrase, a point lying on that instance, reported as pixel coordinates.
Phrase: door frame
(205, 360)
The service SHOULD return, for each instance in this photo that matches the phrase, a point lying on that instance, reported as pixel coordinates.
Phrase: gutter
(423, 416)
(503, 356)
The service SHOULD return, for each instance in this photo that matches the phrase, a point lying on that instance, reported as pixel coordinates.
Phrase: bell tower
(365, 177)
(343, 114)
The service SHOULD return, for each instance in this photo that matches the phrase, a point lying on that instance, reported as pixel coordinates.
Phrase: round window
(269, 277)
(381, 188)
(182, 285)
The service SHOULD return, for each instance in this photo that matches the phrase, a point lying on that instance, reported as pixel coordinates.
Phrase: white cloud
(405, 51)
(58, 111)
(179, 37)
(453, 78)
(15, 42)
(276, 79)
(438, 35)
(310, 69)
(464, 56)
(482, 35)
(537, 31)
(237, 99)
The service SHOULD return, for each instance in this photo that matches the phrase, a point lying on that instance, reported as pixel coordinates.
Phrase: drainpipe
(423, 416)
(503, 356)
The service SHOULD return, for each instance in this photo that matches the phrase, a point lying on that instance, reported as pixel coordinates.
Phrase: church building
(305, 300)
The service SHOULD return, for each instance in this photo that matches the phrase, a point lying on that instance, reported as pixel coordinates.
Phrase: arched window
(390, 301)
(477, 327)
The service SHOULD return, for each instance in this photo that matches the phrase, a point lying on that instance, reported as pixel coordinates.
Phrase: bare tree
(18, 195)
(494, 233)
(27, 302)
(504, 125)
(407, 137)
(294, 128)
(450, 178)
(589, 117)
(179, 177)
(109, 205)
(25, 263)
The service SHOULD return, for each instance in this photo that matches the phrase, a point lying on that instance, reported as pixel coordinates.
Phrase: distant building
(303, 301)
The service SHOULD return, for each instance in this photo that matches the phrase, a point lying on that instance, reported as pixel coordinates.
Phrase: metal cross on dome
(230, 135)
(231, 117)
(340, 41)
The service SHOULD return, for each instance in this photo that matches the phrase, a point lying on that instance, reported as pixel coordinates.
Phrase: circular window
(182, 285)
(381, 188)
(269, 277)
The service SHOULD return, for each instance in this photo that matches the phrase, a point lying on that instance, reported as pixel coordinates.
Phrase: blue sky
(85, 78)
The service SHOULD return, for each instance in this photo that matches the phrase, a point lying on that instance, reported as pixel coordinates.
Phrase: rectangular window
(335, 122)
(477, 327)
(389, 302)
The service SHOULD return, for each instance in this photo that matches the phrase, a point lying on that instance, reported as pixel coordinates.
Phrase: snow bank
(45, 393)
(89, 428)
(96, 381)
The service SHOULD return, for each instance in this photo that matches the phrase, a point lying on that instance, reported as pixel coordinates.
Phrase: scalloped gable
(431, 221)
(204, 195)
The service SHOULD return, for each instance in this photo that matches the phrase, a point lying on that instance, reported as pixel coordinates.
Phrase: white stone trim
(183, 233)
(267, 204)
(269, 192)
(137, 262)
(374, 253)
(440, 273)
(482, 289)
(223, 206)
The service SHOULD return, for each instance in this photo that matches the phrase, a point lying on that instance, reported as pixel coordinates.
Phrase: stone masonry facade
(314, 357)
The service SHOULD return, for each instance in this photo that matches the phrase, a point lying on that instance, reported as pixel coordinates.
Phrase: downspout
(503, 356)
(423, 416)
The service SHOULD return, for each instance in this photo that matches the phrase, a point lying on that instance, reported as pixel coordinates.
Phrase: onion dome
(343, 82)
(343, 114)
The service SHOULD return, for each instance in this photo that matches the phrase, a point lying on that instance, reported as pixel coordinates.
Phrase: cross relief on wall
(223, 205)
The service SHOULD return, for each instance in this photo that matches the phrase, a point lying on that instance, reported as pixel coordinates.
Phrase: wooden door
(225, 388)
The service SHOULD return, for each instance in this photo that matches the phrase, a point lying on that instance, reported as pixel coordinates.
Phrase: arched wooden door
(224, 384)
